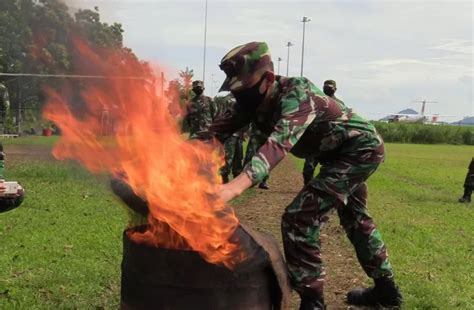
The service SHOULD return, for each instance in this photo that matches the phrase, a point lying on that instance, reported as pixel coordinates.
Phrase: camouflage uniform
(309, 167)
(311, 163)
(4, 106)
(298, 118)
(200, 113)
(468, 183)
(256, 139)
(233, 146)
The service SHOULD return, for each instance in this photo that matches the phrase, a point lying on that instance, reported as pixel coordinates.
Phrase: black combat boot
(384, 294)
(263, 185)
(312, 303)
(466, 198)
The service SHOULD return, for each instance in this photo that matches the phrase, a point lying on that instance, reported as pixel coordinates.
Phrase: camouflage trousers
(233, 157)
(340, 184)
(469, 182)
(308, 169)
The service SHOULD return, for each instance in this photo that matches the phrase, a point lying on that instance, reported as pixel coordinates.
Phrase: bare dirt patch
(263, 212)
(17, 153)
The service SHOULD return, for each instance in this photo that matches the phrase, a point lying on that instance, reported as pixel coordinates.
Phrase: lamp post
(304, 21)
(205, 41)
(279, 60)
(289, 44)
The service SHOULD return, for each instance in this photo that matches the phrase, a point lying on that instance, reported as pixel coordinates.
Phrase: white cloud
(384, 54)
(456, 46)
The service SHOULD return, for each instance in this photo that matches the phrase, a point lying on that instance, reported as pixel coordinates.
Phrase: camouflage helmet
(245, 65)
(330, 83)
(198, 83)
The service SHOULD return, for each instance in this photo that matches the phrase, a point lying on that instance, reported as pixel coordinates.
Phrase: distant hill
(465, 121)
(406, 111)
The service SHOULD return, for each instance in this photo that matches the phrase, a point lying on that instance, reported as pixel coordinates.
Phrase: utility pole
(205, 41)
(289, 44)
(279, 60)
(304, 21)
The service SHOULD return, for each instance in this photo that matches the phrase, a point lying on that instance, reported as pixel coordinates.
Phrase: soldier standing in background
(296, 117)
(233, 146)
(201, 110)
(468, 184)
(4, 107)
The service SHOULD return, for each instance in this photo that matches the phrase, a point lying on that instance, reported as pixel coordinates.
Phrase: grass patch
(30, 140)
(62, 247)
(413, 198)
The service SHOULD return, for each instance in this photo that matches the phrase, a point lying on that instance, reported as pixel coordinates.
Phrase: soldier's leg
(229, 145)
(363, 234)
(468, 184)
(371, 253)
(345, 179)
(301, 232)
(251, 146)
(238, 157)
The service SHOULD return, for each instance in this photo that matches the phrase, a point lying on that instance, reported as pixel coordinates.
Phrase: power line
(73, 76)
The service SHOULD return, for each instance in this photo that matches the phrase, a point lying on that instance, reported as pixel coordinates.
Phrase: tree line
(425, 134)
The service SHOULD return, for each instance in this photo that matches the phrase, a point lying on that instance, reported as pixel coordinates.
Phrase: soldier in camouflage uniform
(4, 106)
(256, 139)
(200, 110)
(468, 184)
(233, 146)
(297, 117)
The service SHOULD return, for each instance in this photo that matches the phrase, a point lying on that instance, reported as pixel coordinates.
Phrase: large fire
(177, 178)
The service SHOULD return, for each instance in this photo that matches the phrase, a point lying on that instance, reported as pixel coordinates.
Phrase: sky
(383, 54)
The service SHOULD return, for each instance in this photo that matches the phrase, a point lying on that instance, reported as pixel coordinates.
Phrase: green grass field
(429, 234)
(62, 247)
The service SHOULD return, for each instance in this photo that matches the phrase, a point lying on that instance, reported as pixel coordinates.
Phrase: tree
(35, 37)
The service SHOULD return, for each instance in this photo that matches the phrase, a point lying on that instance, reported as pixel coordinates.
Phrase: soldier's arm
(297, 115)
(226, 124)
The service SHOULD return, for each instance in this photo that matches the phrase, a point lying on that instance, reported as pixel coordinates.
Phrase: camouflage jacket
(300, 119)
(201, 111)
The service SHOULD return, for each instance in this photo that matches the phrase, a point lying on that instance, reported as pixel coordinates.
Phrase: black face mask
(198, 91)
(329, 91)
(249, 99)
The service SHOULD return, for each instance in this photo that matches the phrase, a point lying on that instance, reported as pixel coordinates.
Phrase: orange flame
(177, 178)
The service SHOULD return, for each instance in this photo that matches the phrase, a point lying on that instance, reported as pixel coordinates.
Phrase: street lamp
(205, 41)
(304, 21)
(288, 57)
(279, 60)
